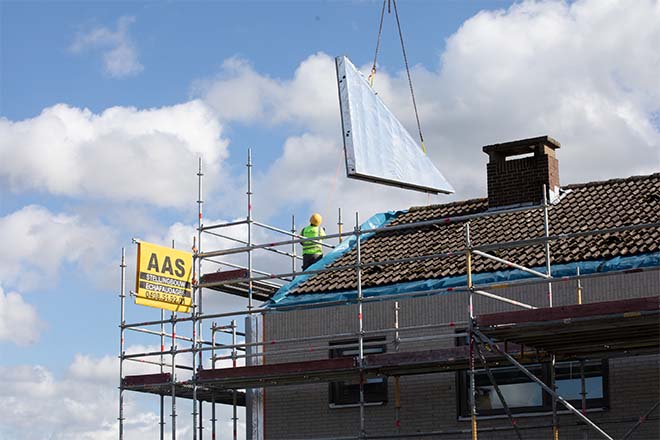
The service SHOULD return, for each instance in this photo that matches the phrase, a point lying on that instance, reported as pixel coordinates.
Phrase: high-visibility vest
(310, 247)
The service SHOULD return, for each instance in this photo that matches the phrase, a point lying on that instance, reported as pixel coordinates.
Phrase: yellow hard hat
(315, 219)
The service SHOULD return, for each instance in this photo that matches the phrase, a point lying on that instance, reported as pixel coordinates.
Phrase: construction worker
(312, 250)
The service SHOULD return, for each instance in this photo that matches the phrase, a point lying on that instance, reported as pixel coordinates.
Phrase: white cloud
(82, 403)
(37, 242)
(122, 154)
(309, 99)
(583, 72)
(65, 408)
(19, 322)
(311, 172)
(120, 56)
(578, 71)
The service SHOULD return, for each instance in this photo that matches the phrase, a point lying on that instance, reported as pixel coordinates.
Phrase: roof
(584, 207)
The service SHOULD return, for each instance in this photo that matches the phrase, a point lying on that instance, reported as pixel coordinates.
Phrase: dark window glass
(569, 383)
(348, 393)
(516, 388)
(522, 395)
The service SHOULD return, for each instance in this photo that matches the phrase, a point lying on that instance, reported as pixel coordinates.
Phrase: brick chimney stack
(514, 180)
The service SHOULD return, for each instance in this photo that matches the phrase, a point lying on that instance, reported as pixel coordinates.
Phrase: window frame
(598, 403)
(375, 393)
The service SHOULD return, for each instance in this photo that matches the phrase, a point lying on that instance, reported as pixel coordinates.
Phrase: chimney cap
(521, 146)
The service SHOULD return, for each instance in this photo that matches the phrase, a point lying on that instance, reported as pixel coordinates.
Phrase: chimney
(518, 170)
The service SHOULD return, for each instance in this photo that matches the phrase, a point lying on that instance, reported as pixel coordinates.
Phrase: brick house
(603, 328)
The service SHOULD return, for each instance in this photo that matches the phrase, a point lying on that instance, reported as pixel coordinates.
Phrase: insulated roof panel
(378, 147)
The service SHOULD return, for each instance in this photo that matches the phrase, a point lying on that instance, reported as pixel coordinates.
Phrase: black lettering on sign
(179, 263)
(167, 266)
(153, 263)
(180, 267)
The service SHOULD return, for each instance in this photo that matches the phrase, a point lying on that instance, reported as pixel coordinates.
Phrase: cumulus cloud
(82, 403)
(105, 369)
(19, 322)
(583, 72)
(65, 407)
(309, 99)
(579, 71)
(121, 154)
(120, 56)
(311, 172)
(37, 242)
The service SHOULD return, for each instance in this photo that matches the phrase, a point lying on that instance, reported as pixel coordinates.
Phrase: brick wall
(428, 402)
(521, 180)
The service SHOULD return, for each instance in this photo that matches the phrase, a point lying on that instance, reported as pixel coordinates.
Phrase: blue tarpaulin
(375, 221)
(283, 297)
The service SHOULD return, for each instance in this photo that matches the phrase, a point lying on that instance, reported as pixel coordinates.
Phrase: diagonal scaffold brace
(482, 358)
(490, 343)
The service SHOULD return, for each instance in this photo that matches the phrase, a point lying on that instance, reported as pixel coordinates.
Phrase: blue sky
(183, 41)
(106, 106)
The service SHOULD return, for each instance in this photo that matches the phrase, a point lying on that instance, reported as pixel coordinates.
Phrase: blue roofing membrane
(283, 297)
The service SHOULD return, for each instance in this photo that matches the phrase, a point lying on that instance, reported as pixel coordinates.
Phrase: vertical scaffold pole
(358, 269)
(546, 230)
(199, 309)
(213, 417)
(583, 395)
(249, 226)
(293, 245)
(397, 382)
(122, 297)
(340, 225)
(196, 282)
(397, 338)
(234, 355)
(468, 259)
(579, 287)
(162, 367)
(548, 271)
(173, 349)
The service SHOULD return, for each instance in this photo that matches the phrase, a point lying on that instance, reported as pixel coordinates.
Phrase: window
(344, 394)
(522, 395)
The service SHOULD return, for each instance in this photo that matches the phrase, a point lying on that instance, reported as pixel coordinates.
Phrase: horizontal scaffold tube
(238, 266)
(308, 349)
(237, 240)
(453, 253)
(224, 225)
(335, 268)
(444, 220)
(144, 361)
(169, 335)
(557, 237)
(395, 296)
(312, 338)
(290, 234)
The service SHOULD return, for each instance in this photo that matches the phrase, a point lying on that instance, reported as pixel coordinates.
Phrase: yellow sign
(163, 278)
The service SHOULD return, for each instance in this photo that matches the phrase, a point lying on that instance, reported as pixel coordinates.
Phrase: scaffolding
(636, 321)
